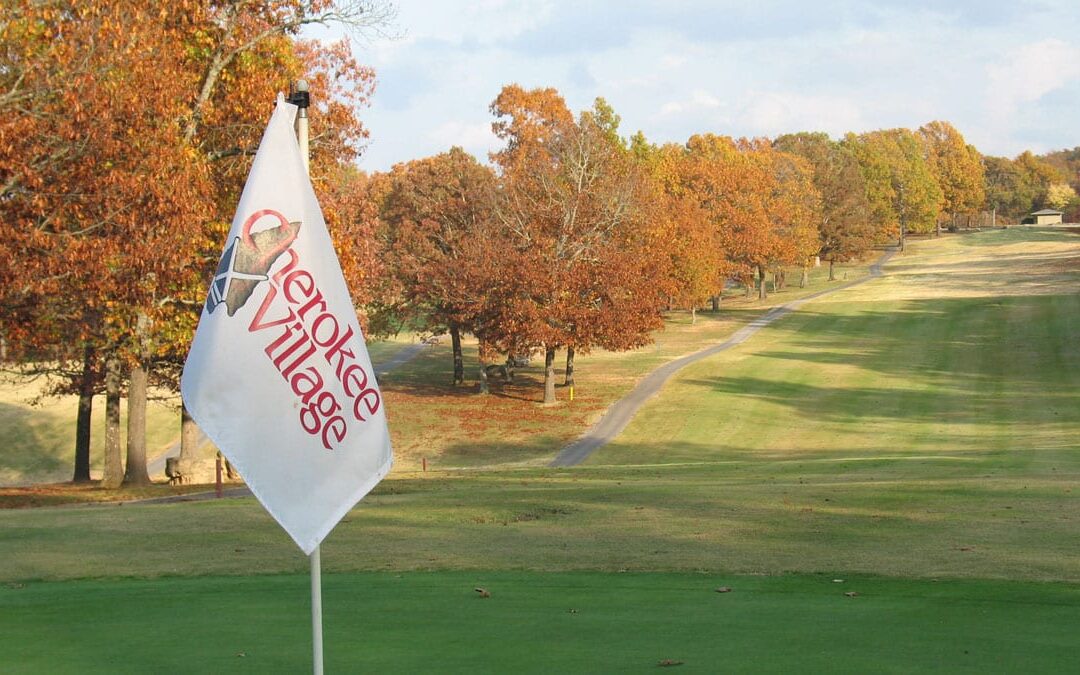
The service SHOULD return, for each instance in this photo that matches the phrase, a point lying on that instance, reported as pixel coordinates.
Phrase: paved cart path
(622, 411)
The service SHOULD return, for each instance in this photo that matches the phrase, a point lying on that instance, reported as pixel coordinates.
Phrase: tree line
(126, 132)
(575, 237)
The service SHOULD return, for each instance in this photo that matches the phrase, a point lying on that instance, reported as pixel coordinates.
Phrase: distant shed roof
(1048, 212)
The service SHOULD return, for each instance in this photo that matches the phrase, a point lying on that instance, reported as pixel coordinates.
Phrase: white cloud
(773, 113)
(672, 108)
(1018, 88)
(480, 21)
(672, 60)
(1028, 73)
(704, 99)
(465, 134)
(698, 100)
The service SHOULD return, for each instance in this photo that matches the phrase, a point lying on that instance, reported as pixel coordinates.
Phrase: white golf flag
(278, 375)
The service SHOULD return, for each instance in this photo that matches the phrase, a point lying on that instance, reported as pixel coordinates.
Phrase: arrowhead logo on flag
(278, 375)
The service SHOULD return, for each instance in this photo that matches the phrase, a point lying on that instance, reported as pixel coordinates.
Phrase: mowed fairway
(925, 423)
(914, 442)
(968, 347)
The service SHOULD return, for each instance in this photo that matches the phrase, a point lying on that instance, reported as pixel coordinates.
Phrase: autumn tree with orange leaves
(123, 147)
(901, 190)
(692, 239)
(845, 231)
(733, 191)
(957, 167)
(794, 209)
(578, 270)
(438, 213)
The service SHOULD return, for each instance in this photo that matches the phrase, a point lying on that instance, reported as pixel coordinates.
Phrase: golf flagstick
(278, 375)
(302, 99)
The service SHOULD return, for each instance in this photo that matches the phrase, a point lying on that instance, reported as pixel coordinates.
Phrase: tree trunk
(715, 300)
(549, 376)
(832, 270)
(484, 388)
(569, 381)
(189, 443)
(805, 278)
(459, 361)
(693, 315)
(114, 458)
(762, 293)
(82, 422)
(136, 474)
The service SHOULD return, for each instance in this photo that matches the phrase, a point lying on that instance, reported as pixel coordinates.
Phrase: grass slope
(39, 432)
(39, 438)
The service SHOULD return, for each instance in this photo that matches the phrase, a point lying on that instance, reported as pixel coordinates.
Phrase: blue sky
(1006, 74)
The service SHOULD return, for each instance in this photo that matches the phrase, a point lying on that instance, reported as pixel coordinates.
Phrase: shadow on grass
(1017, 342)
(538, 448)
(431, 375)
(527, 387)
(962, 405)
(992, 361)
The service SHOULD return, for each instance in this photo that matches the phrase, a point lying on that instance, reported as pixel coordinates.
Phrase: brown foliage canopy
(438, 217)
(125, 132)
(577, 267)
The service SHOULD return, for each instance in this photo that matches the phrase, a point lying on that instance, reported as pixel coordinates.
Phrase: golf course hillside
(884, 479)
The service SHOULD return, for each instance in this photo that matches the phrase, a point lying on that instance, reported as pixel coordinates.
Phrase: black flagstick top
(299, 95)
(301, 98)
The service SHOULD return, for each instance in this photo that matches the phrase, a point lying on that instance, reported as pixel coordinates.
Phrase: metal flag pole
(301, 98)
(316, 612)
